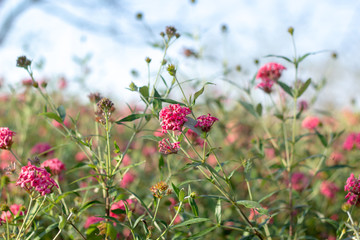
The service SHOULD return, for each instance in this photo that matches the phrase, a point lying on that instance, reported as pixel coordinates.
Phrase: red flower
(34, 178)
(353, 187)
(173, 117)
(205, 122)
(166, 147)
(6, 138)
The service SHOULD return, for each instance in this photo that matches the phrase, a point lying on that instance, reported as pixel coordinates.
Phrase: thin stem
(156, 209)
(34, 215)
(25, 219)
(172, 221)
(16, 157)
(61, 228)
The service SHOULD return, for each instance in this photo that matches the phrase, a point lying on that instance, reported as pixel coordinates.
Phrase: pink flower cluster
(173, 117)
(328, 189)
(92, 220)
(34, 178)
(40, 148)
(131, 203)
(205, 122)
(166, 147)
(6, 138)
(310, 122)
(353, 188)
(15, 210)
(269, 74)
(55, 165)
(353, 139)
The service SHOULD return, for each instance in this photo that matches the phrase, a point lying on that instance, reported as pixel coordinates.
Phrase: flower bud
(23, 62)
(291, 31)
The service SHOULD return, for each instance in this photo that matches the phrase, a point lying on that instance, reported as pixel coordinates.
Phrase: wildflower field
(185, 162)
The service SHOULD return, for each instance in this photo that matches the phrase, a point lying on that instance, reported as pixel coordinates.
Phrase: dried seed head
(94, 97)
(170, 31)
(23, 62)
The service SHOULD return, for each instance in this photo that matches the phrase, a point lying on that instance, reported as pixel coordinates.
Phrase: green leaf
(259, 109)
(304, 87)
(132, 117)
(144, 91)
(190, 222)
(62, 222)
(51, 115)
(62, 112)
(278, 56)
(286, 88)
(176, 189)
(152, 138)
(204, 232)
(322, 139)
(249, 108)
(218, 211)
(268, 195)
(161, 162)
(253, 204)
(162, 78)
(181, 195)
(117, 149)
(171, 101)
(197, 94)
(335, 167)
(133, 87)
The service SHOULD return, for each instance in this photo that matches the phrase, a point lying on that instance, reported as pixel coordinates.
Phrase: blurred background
(101, 45)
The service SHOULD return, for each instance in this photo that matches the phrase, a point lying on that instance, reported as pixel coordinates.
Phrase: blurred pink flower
(6, 158)
(127, 179)
(14, 209)
(269, 74)
(6, 139)
(266, 85)
(173, 117)
(353, 187)
(55, 165)
(328, 189)
(310, 122)
(205, 122)
(27, 82)
(336, 157)
(34, 178)
(131, 203)
(166, 147)
(303, 105)
(352, 140)
(39, 148)
(299, 181)
(194, 137)
(92, 220)
(58, 125)
(80, 156)
(270, 71)
(62, 83)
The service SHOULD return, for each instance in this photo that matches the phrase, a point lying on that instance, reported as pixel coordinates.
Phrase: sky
(255, 29)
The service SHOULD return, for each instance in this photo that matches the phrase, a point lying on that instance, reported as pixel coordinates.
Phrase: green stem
(172, 221)
(16, 157)
(156, 209)
(25, 219)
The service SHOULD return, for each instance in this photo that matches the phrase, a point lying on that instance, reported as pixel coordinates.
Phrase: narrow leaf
(190, 222)
(249, 108)
(286, 88)
(218, 211)
(304, 87)
(204, 232)
(62, 112)
(132, 117)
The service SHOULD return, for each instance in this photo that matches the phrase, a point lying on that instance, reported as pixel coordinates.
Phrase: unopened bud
(147, 59)
(291, 31)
